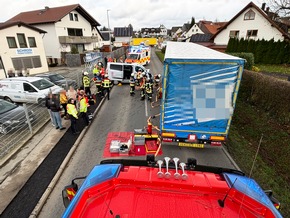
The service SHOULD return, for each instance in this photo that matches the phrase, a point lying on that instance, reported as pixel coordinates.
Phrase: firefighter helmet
(132, 74)
(106, 75)
(86, 73)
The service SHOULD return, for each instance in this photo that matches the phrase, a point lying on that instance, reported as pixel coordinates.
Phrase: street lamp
(109, 27)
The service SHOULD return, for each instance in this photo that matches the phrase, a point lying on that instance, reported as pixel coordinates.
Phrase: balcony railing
(77, 39)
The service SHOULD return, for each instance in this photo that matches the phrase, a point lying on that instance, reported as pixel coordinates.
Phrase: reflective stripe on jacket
(83, 105)
(86, 81)
(106, 83)
(71, 110)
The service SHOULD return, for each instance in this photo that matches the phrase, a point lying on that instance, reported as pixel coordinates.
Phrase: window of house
(250, 15)
(76, 17)
(31, 42)
(21, 40)
(26, 62)
(234, 34)
(11, 42)
(71, 16)
(80, 48)
(74, 32)
(252, 33)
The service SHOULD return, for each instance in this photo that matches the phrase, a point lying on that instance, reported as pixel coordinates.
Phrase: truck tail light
(168, 135)
(217, 138)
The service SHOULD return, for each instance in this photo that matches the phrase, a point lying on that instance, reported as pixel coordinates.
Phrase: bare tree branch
(281, 7)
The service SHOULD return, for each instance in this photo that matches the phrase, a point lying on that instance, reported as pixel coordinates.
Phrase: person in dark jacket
(54, 105)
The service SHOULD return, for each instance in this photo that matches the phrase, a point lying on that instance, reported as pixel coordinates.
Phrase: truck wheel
(116, 82)
(8, 99)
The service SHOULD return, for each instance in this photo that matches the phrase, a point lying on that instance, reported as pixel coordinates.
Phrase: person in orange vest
(110, 59)
(142, 87)
(73, 115)
(63, 101)
(106, 86)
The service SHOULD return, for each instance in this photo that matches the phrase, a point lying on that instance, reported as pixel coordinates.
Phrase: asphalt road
(122, 113)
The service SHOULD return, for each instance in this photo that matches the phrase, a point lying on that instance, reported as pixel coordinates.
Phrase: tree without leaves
(281, 7)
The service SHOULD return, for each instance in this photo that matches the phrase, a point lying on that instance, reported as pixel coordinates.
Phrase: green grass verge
(279, 69)
(271, 169)
(272, 166)
(160, 55)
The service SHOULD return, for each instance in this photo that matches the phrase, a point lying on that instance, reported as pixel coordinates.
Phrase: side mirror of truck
(276, 203)
(70, 191)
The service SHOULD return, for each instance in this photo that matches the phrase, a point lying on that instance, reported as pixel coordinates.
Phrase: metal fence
(35, 116)
(20, 128)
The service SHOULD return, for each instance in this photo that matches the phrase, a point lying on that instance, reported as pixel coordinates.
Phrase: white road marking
(146, 110)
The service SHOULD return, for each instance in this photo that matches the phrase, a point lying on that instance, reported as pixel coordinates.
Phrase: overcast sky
(139, 13)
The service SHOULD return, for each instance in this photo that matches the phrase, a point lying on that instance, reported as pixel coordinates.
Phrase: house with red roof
(251, 22)
(66, 27)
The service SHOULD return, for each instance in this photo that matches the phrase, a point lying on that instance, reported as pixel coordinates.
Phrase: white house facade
(250, 23)
(67, 27)
(193, 30)
(21, 50)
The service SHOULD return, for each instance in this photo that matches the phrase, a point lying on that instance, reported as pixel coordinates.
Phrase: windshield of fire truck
(133, 56)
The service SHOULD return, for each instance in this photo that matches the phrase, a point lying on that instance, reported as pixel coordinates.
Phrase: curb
(55, 179)
(230, 158)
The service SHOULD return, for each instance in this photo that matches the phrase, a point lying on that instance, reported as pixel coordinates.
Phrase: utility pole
(109, 27)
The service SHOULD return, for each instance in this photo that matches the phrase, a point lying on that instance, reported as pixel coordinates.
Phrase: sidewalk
(18, 169)
(15, 173)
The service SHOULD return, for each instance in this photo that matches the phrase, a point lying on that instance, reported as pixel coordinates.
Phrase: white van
(121, 72)
(26, 89)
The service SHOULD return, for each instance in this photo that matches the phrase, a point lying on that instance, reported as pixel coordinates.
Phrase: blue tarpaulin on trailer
(200, 86)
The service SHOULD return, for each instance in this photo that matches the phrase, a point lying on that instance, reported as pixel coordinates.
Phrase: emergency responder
(142, 87)
(100, 64)
(73, 115)
(84, 108)
(106, 86)
(98, 83)
(149, 88)
(63, 101)
(86, 83)
(96, 70)
(157, 79)
(138, 77)
(132, 85)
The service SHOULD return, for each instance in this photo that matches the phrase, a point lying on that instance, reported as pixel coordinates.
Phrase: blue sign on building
(24, 51)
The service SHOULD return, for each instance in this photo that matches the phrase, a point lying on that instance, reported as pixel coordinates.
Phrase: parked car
(59, 80)
(26, 89)
(12, 116)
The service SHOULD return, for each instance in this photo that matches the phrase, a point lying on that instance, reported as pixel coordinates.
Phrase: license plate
(184, 144)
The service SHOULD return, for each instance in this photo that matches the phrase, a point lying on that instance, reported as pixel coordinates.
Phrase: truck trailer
(200, 88)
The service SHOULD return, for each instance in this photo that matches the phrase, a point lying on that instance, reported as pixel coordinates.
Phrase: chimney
(267, 10)
(263, 6)
(46, 8)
